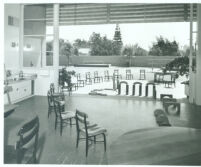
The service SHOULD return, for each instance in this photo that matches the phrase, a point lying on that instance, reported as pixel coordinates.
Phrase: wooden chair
(81, 82)
(142, 74)
(107, 77)
(26, 147)
(62, 117)
(87, 131)
(88, 79)
(117, 75)
(74, 83)
(167, 79)
(129, 76)
(50, 103)
(97, 78)
(56, 94)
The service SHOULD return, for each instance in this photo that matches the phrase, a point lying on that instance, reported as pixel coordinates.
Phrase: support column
(56, 45)
(191, 73)
(21, 37)
(198, 58)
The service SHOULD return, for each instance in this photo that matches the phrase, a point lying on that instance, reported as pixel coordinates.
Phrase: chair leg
(104, 141)
(78, 137)
(61, 128)
(86, 146)
(55, 126)
(94, 139)
(70, 122)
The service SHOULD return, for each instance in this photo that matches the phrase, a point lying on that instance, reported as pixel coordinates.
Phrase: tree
(134, 50)
(65, 48)
(163, 47)
(100, 46)
(180, 64)
(117, 41)
(79, 43)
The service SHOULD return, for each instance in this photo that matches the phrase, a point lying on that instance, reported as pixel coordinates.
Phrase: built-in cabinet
(21, 90)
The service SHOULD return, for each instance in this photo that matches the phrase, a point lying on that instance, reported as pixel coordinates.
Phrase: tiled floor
(117, 114)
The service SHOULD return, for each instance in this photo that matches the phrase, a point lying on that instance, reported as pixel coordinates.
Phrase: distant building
(84, 51)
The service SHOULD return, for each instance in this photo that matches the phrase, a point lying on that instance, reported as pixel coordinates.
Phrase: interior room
(98, 110)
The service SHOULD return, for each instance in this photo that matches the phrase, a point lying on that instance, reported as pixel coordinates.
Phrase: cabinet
(21, 90)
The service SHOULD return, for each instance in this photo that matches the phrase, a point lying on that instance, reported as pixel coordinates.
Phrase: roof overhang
(113, 13)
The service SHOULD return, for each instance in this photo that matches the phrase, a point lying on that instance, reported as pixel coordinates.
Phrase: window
(38, 36)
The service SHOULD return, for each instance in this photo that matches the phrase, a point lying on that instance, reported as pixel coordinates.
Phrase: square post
(56, 45)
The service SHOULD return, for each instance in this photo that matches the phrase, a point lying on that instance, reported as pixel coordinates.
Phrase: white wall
(11, 34)
(11, 54)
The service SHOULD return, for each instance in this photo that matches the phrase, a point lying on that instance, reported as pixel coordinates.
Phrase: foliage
(100, 46)
(65, 76)
(180, 64)
(163, 47)
(79, 43)
(117, 41)
(65, 48)
(186, 51)
(134, 50)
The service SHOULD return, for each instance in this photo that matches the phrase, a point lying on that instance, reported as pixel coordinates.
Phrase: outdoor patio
(177, 90)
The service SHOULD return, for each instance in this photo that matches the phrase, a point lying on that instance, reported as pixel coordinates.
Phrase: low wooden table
(9, 109)
(158, 146)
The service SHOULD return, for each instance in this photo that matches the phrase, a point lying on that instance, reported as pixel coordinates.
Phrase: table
(158, 146)
(9, 109)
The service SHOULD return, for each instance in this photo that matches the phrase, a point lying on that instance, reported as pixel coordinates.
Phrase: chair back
(167, 77)
(142, 71)
(128, 71)
(116, 72)
(28, 133)
(58, 107)
(49, 98)
(52, 88)
(106, 73)
(88, 75)
(81, 122)
(78, 76)
(95, 73)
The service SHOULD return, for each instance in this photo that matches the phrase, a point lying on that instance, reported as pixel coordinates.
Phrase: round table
(158, 146)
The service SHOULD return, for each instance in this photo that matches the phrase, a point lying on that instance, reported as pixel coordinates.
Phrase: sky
(143, 34)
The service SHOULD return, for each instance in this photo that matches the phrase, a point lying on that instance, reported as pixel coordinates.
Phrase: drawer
(25, 91)
(20, 90)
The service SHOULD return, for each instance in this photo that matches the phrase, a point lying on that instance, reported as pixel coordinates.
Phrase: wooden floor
(158, 146)
(117, 114)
